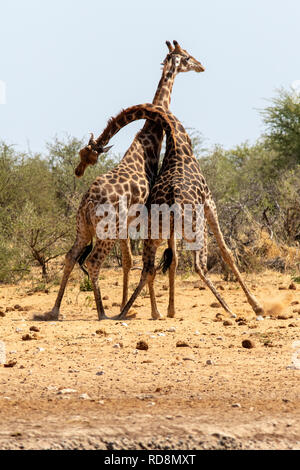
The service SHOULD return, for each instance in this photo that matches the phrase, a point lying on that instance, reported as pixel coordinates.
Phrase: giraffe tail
(166, 260)
(83, 256)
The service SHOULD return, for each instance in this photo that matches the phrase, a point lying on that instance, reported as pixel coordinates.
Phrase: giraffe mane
(89, 154)
(114, 122)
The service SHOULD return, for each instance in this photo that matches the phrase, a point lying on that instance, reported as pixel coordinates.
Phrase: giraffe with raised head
(180, 183)
(132, 179)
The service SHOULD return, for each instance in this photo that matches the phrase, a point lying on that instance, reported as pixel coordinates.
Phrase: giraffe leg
(148, 275)
(211, 216)
(70, 260)
(149, 252)
(154, 310)
(203, 250)
(172, 273)
(141, 285)
(127, 264)
(208, 282)
(94, 262)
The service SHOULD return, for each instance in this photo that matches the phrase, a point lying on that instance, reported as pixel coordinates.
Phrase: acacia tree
(63, 157)
(39, 197)
(282, 120)
(39, 237)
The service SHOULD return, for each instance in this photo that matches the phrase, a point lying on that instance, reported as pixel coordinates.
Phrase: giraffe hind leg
(212, 219)
(203, 250)
(127, 264)
(83, 256)
(208, 282)
(172, 274)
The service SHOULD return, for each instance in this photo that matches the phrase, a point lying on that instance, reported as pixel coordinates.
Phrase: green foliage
(282, 120)
(40, 235)
(256, 188)
(86, 285)
(63, 157)
(39, 287)
(249, 189)
(39, 197)
(253, 194)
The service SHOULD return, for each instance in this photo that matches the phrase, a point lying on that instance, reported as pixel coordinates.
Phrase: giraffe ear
(106, 149)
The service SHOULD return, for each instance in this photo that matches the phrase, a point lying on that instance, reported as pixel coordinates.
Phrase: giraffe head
(179, 60)
(89, 155)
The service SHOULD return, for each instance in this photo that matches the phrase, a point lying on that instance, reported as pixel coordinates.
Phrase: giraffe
(132, 178)
(179, 182)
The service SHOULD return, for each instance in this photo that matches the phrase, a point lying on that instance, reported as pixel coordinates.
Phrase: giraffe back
(180, 179)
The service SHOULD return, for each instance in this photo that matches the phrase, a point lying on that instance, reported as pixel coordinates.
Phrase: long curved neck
(134, 113)
(164, 90)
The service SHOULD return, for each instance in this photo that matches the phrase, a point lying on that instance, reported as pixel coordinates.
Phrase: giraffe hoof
(121, 316)
(259, 310)
(103, 317)
(158, 316)
(171, 314)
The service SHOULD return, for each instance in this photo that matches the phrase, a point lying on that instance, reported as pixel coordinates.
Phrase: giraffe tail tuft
(166, 260)
(83, 256)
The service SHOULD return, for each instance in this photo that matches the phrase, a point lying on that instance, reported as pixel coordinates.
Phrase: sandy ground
(83, 384)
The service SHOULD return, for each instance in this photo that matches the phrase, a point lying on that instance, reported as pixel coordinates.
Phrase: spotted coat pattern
(179, 181)
(133, 178)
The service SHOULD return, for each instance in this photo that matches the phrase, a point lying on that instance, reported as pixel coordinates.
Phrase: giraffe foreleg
(71, 258)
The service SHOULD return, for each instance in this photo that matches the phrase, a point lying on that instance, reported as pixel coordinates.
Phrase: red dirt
(211, 394)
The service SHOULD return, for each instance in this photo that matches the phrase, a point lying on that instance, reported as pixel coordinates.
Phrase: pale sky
(69, 65)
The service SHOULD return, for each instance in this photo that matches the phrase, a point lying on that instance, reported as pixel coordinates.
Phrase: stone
(248, 344)
(182, 344)
(142, 345)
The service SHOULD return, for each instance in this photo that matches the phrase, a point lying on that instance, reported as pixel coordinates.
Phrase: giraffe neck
(164, 90)
(134, 113)
(162, 98)
(147, 143)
